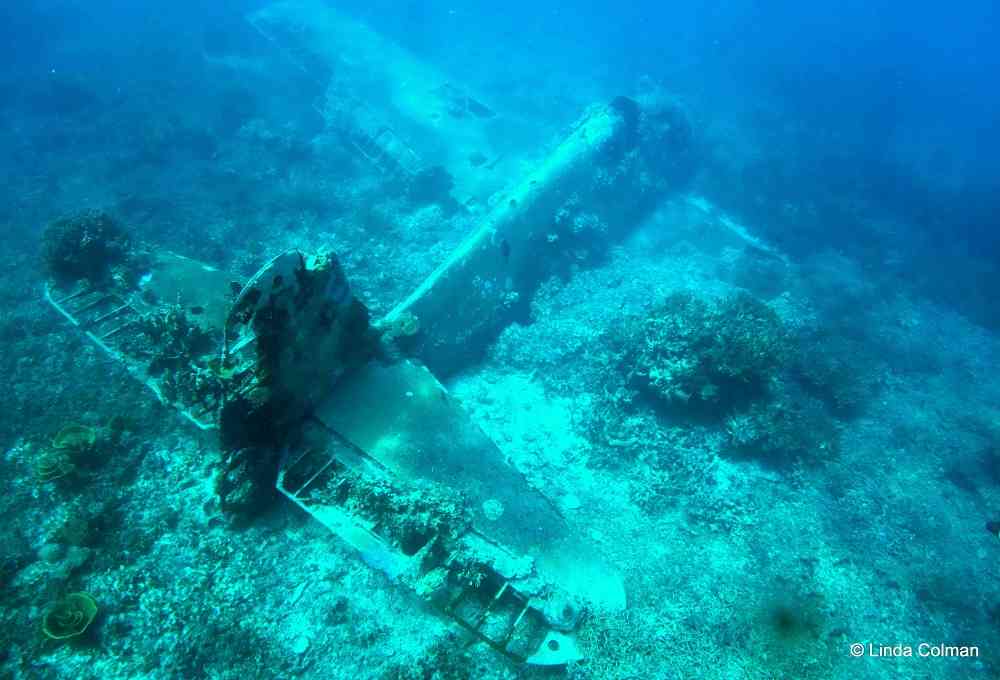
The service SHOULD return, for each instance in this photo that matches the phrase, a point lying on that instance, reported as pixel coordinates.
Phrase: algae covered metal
(164, 329)
(377, 450)
(311, 395)
(400, 112)
(374, 448)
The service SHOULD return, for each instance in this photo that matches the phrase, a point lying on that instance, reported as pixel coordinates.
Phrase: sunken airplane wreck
(343, 414)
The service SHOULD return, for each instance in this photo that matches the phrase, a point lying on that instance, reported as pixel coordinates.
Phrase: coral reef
(682, 436)
(792, 427)
(838, 369)
(91, 245)
(184, 355)
(701, 355)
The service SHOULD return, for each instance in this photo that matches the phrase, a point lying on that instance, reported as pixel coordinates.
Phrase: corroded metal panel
(514, 247)
(398, 110)
(175, 296)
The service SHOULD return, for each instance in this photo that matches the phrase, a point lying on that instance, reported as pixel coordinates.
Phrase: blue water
(839, 487)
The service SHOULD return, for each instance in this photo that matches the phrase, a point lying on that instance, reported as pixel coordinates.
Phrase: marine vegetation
(75, 440)
(69, 449)
(69, 617)
(51, 465)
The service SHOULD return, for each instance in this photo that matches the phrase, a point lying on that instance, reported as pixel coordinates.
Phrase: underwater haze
(407, 339)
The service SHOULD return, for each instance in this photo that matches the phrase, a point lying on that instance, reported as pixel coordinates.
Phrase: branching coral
(690, 351)
(85, 246)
